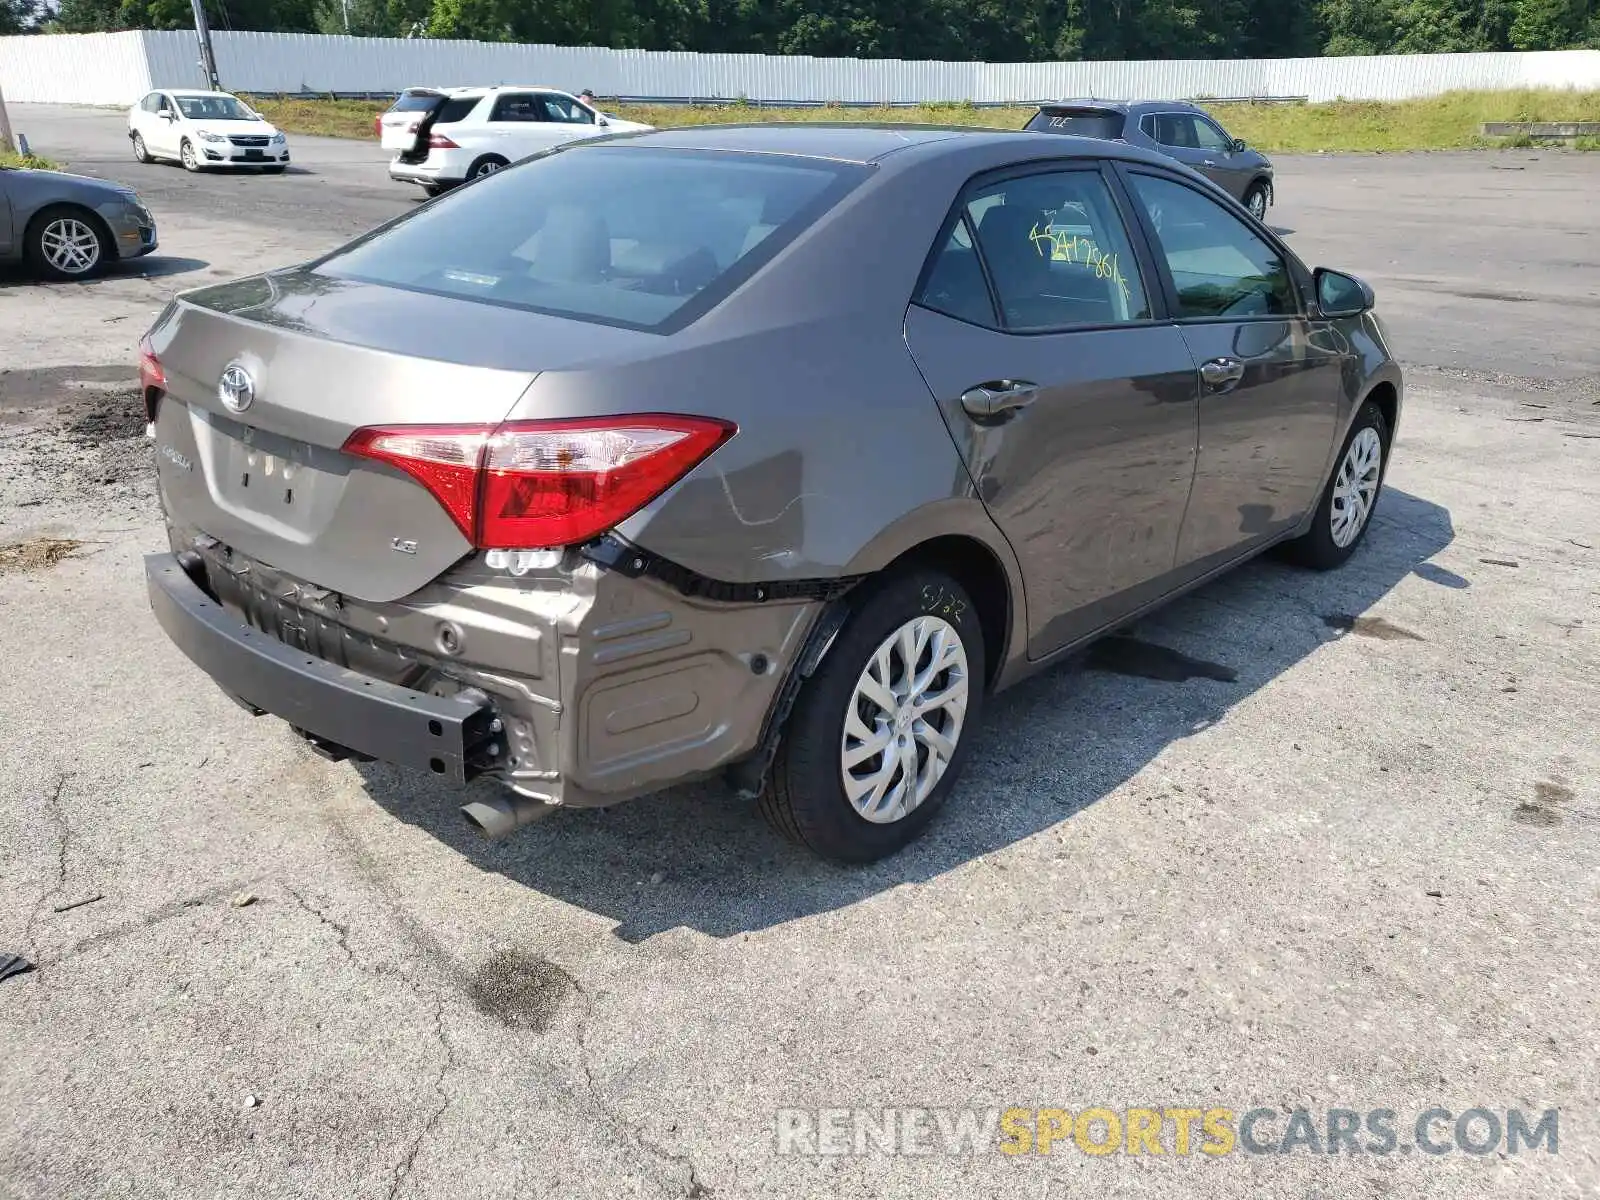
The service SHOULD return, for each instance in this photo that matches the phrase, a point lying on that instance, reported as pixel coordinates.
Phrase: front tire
(1344, 513)
(880, 732)
(67, 243)
(1256, 201)
(141, 152)
(188, 157)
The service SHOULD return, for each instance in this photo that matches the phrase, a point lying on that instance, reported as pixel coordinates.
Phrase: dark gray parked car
(1179, 130)
(780, 474)
(69, 226)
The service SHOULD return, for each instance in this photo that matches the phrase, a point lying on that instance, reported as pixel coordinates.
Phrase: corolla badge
(236, 389)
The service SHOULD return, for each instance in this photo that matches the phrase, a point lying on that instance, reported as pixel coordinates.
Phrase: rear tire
(1344, 513)
(902, 756)
(487, 165)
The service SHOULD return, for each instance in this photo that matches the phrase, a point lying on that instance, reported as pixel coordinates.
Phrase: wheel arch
(958, 537)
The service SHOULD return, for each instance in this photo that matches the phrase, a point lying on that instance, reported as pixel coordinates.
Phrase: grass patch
(37, 554)
(1448, 122)
(29, 162)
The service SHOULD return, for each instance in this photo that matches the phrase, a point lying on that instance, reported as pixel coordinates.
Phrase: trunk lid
(324, 357)
(400, 127)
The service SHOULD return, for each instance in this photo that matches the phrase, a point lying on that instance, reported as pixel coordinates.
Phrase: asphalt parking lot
(1363, 873)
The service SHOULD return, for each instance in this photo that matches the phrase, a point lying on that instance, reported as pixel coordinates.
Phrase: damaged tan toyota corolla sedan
(764, 452)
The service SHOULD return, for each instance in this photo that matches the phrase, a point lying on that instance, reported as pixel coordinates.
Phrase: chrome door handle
(1220, 372)
(997, 400)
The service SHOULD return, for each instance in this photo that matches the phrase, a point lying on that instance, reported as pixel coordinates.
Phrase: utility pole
(208, 60)
(7, 142)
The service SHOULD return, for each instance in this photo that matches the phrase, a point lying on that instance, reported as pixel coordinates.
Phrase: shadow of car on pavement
(153, 266)
(696, 856)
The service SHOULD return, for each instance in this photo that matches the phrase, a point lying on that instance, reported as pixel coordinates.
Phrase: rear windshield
(414, 102)
(1104, 125)
(642, 238)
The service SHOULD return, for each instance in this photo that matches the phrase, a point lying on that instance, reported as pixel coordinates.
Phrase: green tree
(1548, 24)
(1358, 26)
(18, 16)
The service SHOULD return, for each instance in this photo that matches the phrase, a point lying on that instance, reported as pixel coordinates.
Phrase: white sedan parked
(445, 136)
(205, 129)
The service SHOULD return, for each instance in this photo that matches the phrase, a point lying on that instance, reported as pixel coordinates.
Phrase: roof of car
(197, 93)
(862, 143)
(1124, 106)
(477, 89)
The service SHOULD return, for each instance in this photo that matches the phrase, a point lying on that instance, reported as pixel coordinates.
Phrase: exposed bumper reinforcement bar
(336, 709)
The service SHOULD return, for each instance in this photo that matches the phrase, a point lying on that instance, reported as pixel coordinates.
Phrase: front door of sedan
(8, 239)
(160, 128)
(1073, 405)
(1270, 379)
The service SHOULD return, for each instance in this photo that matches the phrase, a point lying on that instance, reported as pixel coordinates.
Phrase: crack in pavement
(402, 1169)
(63, 845)
(339, 928)
(692, 1188)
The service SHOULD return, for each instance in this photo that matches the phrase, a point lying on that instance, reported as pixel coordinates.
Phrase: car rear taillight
(438, 141)
(152, 379)
(537, 484)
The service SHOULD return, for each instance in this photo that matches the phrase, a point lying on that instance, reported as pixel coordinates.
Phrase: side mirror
(602, 122)
(1239, 146)
(1341, 295)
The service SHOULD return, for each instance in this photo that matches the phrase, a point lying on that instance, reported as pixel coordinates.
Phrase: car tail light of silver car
(537, 484)
(152, 380)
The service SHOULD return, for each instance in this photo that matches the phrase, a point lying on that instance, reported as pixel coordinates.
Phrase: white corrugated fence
(118, 68)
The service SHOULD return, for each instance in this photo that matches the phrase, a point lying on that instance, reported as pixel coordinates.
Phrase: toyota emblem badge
(236, 389)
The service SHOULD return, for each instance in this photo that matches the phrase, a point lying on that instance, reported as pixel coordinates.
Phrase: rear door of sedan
(1039, 329)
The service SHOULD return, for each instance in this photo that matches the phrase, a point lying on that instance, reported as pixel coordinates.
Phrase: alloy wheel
(487, 168)
(1355, 488)
(905, 719)
(70, 246)
(1258, 204)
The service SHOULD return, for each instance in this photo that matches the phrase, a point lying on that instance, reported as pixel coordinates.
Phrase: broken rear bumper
(339, 711)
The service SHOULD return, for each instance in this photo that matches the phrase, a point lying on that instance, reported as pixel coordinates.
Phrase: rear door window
(644, 238)
(1173, 129)
(1080, 123)
(517, 106)
(1056, 251)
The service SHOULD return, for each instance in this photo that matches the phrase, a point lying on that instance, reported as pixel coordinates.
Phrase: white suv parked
(445, 136)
